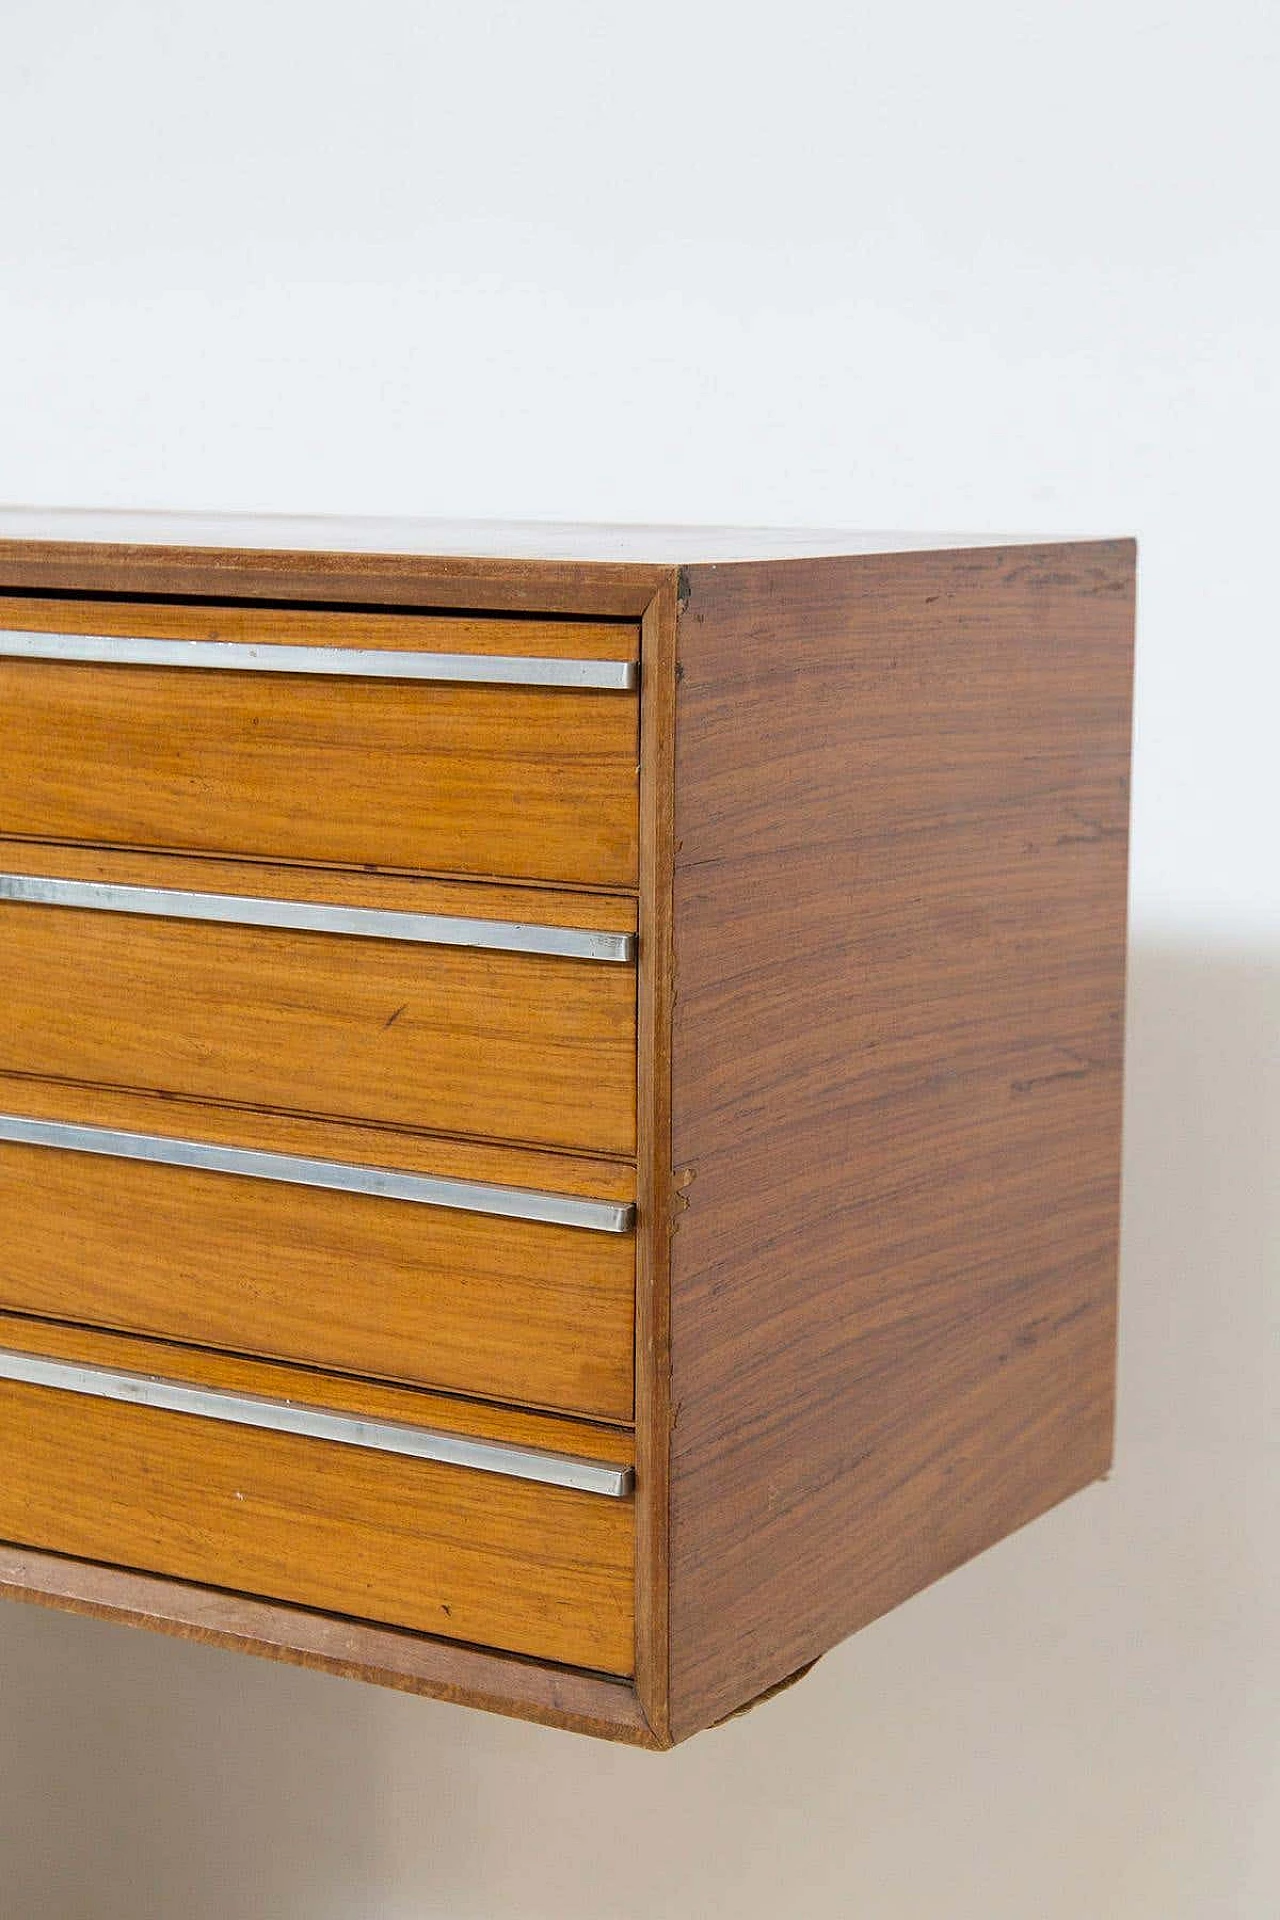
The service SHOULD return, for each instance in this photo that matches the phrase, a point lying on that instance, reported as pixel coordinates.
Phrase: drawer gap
(333, 1388)
(608, 1430)
(382, 609)
(407, 1149)
(315, 1118)
(214, 857)
(364, 1622)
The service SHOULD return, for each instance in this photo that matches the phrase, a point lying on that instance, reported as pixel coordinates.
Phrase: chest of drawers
(559, 1088)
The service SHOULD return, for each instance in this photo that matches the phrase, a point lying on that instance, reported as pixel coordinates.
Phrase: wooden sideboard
(560, 1087)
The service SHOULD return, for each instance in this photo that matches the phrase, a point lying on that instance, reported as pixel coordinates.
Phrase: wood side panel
(527, 783)
(901, 832)
(413, 1663)
(499, 1562)
(522, 1047)
(655, 1198)
(463, 1302)
(247, 624)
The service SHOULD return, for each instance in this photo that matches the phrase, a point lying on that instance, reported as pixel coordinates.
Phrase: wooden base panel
(327, 1643)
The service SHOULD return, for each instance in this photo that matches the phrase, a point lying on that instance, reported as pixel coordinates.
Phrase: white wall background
(910, 265)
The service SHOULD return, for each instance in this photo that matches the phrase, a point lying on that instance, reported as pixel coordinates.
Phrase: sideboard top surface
(576, 571)
(548, 540)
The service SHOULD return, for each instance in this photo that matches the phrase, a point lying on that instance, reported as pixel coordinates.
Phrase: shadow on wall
(1082, 1722)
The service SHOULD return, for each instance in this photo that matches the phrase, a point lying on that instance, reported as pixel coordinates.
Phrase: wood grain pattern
(587, 1176)
(317, 1139)
(338, 1393)
(655, 1197)
(514, 1046)
(901, 810)
(509, 1309)
(276, 626)
(216, 557)
(530, 783)
(533, 1569)
(351, 1649)
(479, 899)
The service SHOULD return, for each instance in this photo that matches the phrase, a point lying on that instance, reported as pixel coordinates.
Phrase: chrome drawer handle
(317, 1423)
(304, 916)
(371, 663)
(383, 1183)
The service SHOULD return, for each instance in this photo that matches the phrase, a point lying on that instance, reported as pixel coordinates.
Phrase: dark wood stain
(900, 881)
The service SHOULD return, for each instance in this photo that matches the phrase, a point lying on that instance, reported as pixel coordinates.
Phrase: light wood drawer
(150, 742)
(274, 996)
(500, 1288)
(459, 1551)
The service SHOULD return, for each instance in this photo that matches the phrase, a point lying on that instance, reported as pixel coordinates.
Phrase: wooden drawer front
(341, 763)
(237, 1252)
(208, 1496)
(514, 1045)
